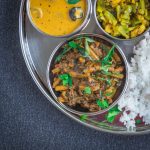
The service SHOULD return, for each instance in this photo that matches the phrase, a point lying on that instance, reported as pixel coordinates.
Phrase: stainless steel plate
(37, 48)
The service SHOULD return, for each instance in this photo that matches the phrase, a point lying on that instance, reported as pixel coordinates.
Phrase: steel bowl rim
(79, 29)
(113, 37)
(69, 108)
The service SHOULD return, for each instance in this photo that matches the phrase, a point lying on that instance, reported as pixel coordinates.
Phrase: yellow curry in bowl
(57, 17)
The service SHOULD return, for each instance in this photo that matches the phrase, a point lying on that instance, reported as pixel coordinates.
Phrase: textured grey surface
(27, 120)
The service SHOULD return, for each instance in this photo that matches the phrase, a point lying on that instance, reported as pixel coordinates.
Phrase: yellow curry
(52, 16)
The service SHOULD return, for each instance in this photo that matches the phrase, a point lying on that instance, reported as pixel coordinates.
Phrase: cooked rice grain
(136, 100)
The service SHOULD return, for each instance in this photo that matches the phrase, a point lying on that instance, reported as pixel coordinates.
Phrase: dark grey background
(27, 119)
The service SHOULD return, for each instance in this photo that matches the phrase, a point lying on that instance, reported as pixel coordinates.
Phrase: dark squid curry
(87, 74)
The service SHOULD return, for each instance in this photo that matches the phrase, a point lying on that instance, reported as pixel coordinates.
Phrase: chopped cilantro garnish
(72, 44)
(138, 121)
(77, 46)
(112, 113)
(83, 117)
(102, 103)
(66, 79)
(87, 90)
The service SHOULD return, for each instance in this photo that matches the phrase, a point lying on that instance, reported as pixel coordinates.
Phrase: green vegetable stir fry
(124, 18)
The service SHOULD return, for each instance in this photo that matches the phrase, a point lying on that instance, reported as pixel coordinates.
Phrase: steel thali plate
(37, 48)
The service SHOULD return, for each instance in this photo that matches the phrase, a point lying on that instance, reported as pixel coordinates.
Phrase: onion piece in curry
(87, 74)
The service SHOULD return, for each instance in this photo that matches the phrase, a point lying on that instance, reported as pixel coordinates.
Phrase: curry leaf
(59, 57)
(82, 51)
(108, 57)
(90, 40)
(87, 41)
(87, 48)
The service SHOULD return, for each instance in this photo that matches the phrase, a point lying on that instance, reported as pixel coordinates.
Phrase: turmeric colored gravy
(52, 16)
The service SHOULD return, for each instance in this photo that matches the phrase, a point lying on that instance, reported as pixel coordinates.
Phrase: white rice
(136, 101)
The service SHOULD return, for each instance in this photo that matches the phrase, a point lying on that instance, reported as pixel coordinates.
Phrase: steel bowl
(113, 37)
(50, 76)
(79, 29)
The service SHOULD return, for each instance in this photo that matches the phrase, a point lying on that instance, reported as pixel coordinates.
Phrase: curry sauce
(52, 16)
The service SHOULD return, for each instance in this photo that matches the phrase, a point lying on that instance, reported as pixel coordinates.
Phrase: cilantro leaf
(63, 76)
(87, 90)
(102, 104)
(77, 46)
(72, 1)
(138, 121)
(111, 119)
(83, 117)
(66, 79)
(65, 82)
(73, 44)
(112, 113)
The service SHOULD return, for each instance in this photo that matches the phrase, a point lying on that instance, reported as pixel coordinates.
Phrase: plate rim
(45, 93)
